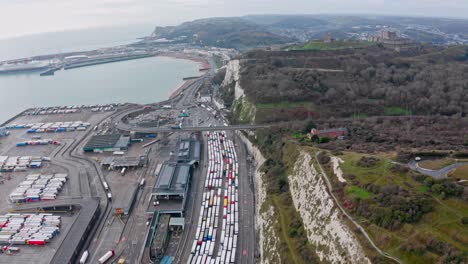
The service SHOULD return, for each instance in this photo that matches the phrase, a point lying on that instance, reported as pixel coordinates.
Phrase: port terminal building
(172, 185)
(169, 195)
(188, 151)
(171, 188)
(107, 143)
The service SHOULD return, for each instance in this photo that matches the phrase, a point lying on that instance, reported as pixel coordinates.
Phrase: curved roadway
(436, 174)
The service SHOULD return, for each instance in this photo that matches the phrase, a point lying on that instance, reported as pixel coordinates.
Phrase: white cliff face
(245, 110)
(264, 219)
(336, 168)
(334, 241)
(233, 75)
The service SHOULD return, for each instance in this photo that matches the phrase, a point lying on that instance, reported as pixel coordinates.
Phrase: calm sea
(137, 81)
(73, 40)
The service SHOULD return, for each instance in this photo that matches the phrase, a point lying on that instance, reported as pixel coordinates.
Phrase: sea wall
(332, 238)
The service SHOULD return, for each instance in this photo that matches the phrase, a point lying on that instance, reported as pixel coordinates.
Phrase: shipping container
(36, 242)
(106, 257)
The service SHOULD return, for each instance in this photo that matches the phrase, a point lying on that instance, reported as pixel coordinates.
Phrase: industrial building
(100, 143)
(331, 133)
(123, 162)
(173, 181)
(188, 151)
(170, 189)
(124, 207)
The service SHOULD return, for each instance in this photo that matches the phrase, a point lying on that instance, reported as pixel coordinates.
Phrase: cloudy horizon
(25, 17)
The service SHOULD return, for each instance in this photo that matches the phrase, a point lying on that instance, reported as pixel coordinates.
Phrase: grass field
(320, 45)
(436, 164)
(286, 104)
(396, 111)
(443, 223)
(359, 192)
(460, 173)
(380, 175)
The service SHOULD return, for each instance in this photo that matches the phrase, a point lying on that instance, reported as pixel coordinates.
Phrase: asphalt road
(436, 174)
(247, 235)
(185, 100)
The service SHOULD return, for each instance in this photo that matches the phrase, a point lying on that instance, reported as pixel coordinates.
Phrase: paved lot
(61, 162)
(40, 254)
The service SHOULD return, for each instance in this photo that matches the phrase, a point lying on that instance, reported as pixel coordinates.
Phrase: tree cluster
(374, 81)
(444, 187)
(446, 252)
(392, 206)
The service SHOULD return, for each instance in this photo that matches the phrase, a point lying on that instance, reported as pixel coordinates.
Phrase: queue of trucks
(220, 201)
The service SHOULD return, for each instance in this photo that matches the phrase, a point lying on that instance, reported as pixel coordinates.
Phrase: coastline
(203, 64)
(202, 61)
(182, 87)
(177, 90)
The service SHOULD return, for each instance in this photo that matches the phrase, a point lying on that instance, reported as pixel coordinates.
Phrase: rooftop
(107, 141)
(188, 150)
(173, 179)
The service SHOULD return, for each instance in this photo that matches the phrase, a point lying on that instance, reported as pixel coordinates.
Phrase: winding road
(436, 174)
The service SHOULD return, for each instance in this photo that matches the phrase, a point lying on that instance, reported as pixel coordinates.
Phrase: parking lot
(54, 160)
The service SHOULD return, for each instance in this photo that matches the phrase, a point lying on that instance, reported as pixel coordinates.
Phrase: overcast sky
(22, 17)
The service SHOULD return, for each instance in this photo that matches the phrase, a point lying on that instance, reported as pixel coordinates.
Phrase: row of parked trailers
(28, 229)
(17, 163)
(37, 187)
(220, 201)
(37, 142)
(52, 125)
(70, 109)
(58, 127)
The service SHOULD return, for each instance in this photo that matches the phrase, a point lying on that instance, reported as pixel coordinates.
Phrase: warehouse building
(173, 181)
(188, 151)
(109, 143)
(123, 162)
(170, 189)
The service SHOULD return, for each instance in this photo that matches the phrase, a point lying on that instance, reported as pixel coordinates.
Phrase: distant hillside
(370, 81)
(221, 32)
(287, 21)
(419, 29)
(266, 30)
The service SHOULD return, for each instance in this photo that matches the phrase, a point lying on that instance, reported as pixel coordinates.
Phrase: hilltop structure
(389, 37)
(328, 38)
